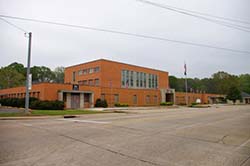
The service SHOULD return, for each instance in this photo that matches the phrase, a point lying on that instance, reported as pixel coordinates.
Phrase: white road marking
(85, 121)
(242, 145)
(27, 124)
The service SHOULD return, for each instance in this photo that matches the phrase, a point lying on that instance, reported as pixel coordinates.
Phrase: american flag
(185, 69)
(127, 84)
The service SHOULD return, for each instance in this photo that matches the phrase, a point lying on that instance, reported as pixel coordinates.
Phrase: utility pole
(28, 81)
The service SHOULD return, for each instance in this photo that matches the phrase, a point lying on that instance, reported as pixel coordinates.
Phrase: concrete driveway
(177, 137)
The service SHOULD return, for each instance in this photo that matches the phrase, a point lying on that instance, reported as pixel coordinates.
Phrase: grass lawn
(51, 113)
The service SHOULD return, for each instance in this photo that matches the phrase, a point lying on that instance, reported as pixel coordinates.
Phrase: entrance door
(87, 100)
(75, 100)
(169, 97)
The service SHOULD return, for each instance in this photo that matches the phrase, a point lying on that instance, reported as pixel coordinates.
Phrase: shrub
(47, 105)
(166, 103)
(101, 103)
(16, 102)
(121, 105)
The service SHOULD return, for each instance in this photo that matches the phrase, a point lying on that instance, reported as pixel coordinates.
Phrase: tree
(41, 74)
(18, 67)
(223, 81)
(10, 78)
(59, 75)
(234, 94)
(244, 82)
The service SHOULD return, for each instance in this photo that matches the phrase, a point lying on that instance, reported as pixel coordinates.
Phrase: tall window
(135, 99)
(147, 99)
(141, 74)
(156, 81)
(149, 80)
(137, 79)
(153, 81)
(123, 78)
(155, 99)
(74, 76)
(131, 78)
(116, 98)
(144, 80)
(127, 78)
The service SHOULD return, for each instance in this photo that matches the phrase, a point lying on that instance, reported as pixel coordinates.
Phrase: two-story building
(115, 82)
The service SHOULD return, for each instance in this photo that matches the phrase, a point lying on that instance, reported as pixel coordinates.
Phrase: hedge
(34, 103)
(16, 102)
(101, 103)
(121, 105)
(166, 103)
(47, 105)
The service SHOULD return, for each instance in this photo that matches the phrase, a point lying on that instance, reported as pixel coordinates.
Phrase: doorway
(170, 97)
(75, 100)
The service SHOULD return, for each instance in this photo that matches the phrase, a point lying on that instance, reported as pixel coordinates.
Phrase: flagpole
(186, 90)
(185, 73)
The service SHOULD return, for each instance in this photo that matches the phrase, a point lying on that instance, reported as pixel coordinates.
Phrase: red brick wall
(180, 97)
(110, 73)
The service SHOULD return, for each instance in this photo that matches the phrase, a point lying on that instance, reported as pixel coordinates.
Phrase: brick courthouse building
(114, 81)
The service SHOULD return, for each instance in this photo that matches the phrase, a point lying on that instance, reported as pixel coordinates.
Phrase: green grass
(51, 113)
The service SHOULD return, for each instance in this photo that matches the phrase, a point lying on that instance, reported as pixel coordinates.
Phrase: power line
(17, 27)
(219, 22)
(127, 34)
(210, 15)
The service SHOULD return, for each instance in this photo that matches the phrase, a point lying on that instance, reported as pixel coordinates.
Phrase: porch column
(60, 96)
(81, 100)
(92, 100)
(68, 100)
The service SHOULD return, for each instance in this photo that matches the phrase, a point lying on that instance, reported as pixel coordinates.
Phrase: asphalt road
(177, 137)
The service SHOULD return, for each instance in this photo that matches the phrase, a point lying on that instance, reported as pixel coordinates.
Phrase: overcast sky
(54, 46)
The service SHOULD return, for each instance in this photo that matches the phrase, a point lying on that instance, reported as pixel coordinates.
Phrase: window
(131, 78)
(155, 99)
(135, 99)
(80, 82)
(85, 82)
(147, 99)
(137, 79)
(127, 78)
(116, 98)
(156, 81)
(91, 70)
(153, 81)
(80, 72)
(74, 76)
(91, 82)
(102, 96)
(144, 80)
(141, 80)
(149, 80)
(97, 82)
(123, 78)
(96, 69)
(85, 71)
